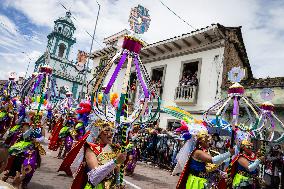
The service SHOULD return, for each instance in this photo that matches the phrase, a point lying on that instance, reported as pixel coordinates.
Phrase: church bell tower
(61, 39)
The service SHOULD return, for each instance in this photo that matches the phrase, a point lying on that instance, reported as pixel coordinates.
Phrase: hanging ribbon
(138, 71)
(252, 108)
(124, 90)
(271, 120)
(226, 102)
(42, 94)
(115, 73)
(40, 77)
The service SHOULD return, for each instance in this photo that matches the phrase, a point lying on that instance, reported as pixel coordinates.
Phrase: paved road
(145, 176)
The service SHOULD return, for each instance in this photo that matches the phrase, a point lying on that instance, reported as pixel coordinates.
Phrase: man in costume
(67, 135)
(25, 153)
(200, 170)
(6, 114)
(94, 164)
(83, 116)
(14, 133)
(3, 162)
(244, 167)
(132, 155)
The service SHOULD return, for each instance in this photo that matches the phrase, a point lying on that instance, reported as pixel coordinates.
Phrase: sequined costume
(82, 120)
(104, 153)
(66, 135)
(25, 154)
(6, 114)
(243, 178)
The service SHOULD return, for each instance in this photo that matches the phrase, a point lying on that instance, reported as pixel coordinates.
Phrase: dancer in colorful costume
(132, 155)
(200, 170)
(244, 167)
(25, 154)
(82, 120)
(6, 114)
(14, 133)
(67, 135)
(94, 165)
(64, 133)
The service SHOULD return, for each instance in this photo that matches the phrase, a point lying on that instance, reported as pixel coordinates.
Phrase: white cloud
(262, 25)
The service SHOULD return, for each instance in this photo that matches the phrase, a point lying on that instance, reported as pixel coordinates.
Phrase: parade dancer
(6, 114)
(95, 165)
(14, 133)
(200, 170)
(25, 154)
(82, 120)
(132, 155)
(244, 167)
(66, 136)
(54, 142)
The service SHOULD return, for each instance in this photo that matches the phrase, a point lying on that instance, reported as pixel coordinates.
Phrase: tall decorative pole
(126, 58)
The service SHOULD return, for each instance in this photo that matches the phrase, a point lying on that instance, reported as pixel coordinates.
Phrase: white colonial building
(189, 70)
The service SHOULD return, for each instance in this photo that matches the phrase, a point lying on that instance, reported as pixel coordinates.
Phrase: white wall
(207, 79)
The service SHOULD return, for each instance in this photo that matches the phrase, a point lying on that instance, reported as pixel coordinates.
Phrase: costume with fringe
(75, 164)
(240, 176)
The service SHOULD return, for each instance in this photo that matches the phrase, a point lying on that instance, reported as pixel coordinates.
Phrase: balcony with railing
(186, 95)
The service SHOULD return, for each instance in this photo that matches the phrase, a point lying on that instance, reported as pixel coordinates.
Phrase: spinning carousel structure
(270, 128)
(238, 110)
(142, 109)
(40, 87)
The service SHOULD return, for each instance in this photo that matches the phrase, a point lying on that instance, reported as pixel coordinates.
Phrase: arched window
(59, 29)
(61, 51)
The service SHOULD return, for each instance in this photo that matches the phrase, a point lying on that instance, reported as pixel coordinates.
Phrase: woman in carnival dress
(132, 155)
(200, 170)
(243, 168)
(95, 165)
(25, 153)
(67, 135)
(6, 114)
(83, 112)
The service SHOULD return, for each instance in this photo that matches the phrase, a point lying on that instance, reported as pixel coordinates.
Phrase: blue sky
(24, 25)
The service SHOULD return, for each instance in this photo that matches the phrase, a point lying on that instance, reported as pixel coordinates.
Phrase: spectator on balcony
(159, 88)
(194, 80)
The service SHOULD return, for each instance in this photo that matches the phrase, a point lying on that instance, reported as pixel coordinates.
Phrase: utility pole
(91, 48)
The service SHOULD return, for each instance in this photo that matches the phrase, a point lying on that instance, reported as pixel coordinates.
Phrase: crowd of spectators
(188, 79)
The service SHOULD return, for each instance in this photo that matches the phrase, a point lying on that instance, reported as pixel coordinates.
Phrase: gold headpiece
(202, 134)
(246, 142)
(103, 124)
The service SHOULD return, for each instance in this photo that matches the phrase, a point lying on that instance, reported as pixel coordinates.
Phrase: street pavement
(145, 176)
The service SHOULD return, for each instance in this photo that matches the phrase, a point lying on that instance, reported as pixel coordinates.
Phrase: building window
(62, 49)
(157, 79)
(189, 74)
(59, 29)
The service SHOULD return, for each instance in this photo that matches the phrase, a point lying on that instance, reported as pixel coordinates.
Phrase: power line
(177, 15)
